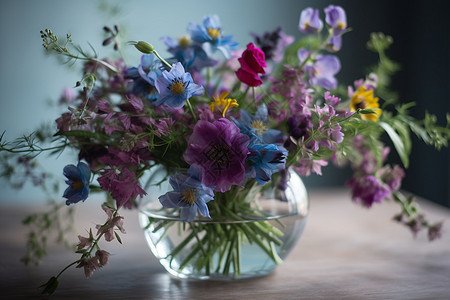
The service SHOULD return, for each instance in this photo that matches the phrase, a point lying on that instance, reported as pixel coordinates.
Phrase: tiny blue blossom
(175, 87)
(144, 77)
(256, 127)
(209, 33)
(189, 194)
(78, 180)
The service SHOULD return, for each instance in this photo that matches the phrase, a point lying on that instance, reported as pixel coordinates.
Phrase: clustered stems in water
(216, 247)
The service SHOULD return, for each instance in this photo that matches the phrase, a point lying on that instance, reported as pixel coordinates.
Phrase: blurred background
(31, 82)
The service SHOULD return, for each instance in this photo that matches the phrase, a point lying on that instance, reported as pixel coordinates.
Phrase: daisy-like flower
(256, 126)
(175, 87)
(189, 194)
(363, 99)
(223, 103)
(78, 180)
(210, 33)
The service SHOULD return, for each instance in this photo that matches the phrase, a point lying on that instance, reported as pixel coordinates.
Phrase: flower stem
(191, 109)
(162, 59)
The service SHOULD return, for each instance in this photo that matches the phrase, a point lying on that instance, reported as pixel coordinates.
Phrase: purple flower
(306, 166)
(335, 17)
(189, 194)
(175, 87)
(78, 180)
(292, 87)
(309, 21)
(273, 43)
(392, 177)
(123, 186)
(299, 125)
(220, 149)
(368, 190)
(335, 43)
(323, 71)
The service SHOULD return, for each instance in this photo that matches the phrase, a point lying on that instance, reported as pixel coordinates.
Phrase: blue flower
(189, 194)
(191, 55)
(144, 77)
(255, 127)
(175, 87)
(210, 34)
(264, 160)
(78, 180)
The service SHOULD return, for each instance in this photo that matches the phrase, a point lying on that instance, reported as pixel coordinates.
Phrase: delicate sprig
(51, 44)
(89, 262)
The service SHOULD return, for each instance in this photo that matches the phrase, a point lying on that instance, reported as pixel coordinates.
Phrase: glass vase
(251, 230)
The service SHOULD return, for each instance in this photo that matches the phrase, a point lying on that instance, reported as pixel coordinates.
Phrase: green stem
(191, 109)
(162, 59)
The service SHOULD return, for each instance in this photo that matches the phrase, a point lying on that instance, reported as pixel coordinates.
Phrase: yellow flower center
(364, 99)
(189, 196)
(184, 41)
(213, 33)
(307, 25)
(177, 87)
(77, 185)
(259, 126)
(223, 103)
(341, 25)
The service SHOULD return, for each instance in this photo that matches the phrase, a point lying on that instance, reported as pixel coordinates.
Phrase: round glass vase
(251, 230)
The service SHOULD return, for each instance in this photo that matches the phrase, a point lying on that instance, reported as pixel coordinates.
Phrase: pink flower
(123, 186)
(252, 63)
(108, 228)
(306, 166)
(85, 241)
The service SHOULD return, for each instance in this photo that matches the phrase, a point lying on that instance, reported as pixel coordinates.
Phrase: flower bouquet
(209, 141)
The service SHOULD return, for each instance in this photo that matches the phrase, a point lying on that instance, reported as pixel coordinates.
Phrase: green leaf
(50, 286)
(397, 141)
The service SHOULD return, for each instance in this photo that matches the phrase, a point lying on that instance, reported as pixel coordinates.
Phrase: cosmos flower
(209, 35)
(175, 87)
(189, 194)
(78, 180)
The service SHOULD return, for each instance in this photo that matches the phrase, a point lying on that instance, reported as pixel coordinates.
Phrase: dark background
(421, 45)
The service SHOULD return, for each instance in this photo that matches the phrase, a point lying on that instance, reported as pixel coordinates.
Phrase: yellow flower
(222, 103)
(363, 99)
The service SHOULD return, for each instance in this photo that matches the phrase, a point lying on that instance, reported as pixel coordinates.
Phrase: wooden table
(346, 252)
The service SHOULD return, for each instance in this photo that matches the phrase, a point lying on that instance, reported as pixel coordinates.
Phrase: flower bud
(144, 47)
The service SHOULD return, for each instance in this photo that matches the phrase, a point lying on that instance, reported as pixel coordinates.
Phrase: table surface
(345, 252)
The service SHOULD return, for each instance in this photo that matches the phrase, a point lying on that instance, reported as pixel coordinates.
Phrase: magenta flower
(123, 186)
(220, 149)
(253, 62)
